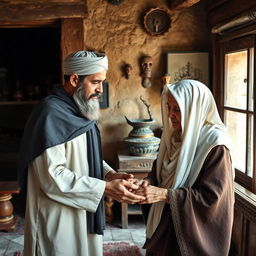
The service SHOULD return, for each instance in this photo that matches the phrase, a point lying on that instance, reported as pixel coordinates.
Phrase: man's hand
(153, 194)
(119, 189)
(112, 175)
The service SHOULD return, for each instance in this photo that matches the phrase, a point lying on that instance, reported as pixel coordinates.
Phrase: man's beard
(90, 108)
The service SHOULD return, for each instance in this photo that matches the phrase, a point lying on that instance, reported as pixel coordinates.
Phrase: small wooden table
(7, 220)
(139, 166)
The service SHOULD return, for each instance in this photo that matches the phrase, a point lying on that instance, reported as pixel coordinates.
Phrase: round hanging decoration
(157, 21)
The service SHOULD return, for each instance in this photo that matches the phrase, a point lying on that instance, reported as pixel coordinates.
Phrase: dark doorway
(30, 58)
(29, 67)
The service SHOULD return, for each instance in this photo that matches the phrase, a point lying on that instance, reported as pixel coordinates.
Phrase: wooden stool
(7, 221)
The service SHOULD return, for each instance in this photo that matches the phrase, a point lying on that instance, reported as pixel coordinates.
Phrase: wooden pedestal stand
(139, 166)
(7, 221)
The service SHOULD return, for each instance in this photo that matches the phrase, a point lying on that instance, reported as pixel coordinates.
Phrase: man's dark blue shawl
(56, 120)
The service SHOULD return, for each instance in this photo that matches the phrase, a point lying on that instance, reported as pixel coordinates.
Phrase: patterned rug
(114, 249)
(120, 249)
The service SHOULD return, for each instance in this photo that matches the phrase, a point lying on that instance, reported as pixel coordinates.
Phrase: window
(238, 108)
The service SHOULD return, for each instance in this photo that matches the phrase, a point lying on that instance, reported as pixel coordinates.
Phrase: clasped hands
(125, 188)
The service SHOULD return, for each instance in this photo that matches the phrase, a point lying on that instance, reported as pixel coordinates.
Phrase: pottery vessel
(141, 140)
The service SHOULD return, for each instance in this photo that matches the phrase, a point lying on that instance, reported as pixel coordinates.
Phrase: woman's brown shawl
(198, 221)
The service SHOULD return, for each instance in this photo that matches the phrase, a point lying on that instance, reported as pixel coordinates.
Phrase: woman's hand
(142, 183)
(152, 194)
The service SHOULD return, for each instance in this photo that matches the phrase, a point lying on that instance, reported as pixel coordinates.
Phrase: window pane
(251, 80)
(236, 126)
(236, 80)
(250, 147)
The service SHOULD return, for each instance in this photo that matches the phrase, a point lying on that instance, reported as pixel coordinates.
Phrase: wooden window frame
(231, 44)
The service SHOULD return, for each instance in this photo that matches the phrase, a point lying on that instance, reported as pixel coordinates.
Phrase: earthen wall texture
(118, 30)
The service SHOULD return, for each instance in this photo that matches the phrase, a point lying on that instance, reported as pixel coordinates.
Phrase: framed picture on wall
(188, 65)
(104, 99)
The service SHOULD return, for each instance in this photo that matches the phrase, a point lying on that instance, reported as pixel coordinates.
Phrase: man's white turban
(85, 63)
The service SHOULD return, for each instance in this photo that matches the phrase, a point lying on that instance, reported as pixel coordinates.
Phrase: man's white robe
(59, 193)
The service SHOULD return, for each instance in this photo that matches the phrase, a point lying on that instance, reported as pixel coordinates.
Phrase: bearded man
(61, 165)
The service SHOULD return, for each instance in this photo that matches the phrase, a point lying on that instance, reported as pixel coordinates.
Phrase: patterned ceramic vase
(141, 140)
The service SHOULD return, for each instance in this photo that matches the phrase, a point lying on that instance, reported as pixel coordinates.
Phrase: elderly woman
(190, 188)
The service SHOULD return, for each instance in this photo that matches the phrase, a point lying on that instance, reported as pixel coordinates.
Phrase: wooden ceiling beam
(15, 11)
(227, 10)
(180, 4)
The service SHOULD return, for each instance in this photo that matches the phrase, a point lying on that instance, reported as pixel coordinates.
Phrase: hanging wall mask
(146, 66)
(127, 70)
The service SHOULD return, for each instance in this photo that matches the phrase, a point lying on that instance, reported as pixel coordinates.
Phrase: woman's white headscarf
(202, 130)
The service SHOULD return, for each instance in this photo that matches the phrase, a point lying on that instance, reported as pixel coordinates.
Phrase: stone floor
(135, 234)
